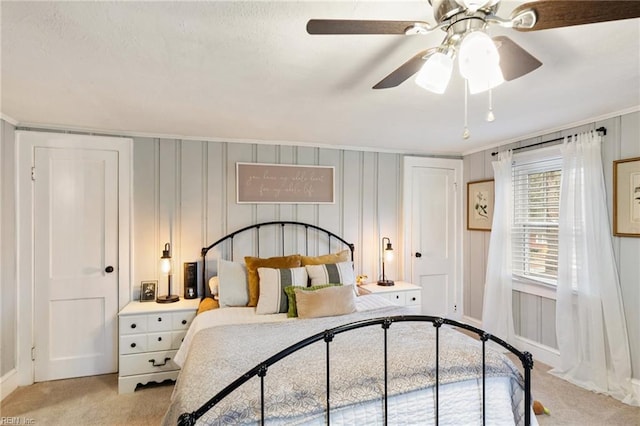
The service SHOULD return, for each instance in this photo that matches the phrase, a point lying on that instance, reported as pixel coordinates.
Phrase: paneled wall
(534, 316)
(8, 288)
(185, 193)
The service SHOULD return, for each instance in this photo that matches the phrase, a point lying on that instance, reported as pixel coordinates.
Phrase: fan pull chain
(466, 133)
(490, 116)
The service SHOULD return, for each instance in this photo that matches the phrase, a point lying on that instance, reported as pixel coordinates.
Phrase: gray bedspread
(296, 386)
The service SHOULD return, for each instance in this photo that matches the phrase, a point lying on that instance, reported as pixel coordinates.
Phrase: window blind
(536, 196)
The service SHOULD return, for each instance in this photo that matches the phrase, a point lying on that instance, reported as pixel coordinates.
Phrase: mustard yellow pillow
(341, 256)
(253, 263)
(207, 304)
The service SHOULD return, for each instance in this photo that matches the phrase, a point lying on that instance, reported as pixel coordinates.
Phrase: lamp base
(169, 298)
(386, 283)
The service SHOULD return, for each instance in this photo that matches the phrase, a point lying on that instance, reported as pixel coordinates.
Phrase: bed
(372, 363)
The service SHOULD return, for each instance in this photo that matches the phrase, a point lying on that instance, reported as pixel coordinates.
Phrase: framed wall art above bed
(284, 184)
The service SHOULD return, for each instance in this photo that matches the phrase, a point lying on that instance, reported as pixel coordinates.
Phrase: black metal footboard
(261, 369)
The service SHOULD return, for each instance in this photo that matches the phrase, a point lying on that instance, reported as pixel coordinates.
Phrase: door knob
(418, 254)
(108, 269)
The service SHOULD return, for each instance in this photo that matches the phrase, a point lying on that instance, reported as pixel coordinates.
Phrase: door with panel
(75, 262)
(433, 232)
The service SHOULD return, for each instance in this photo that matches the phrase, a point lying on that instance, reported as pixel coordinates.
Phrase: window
(536, 196)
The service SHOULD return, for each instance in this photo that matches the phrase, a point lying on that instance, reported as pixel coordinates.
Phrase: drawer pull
(159, 339)
(184, 322)
(397, 296)
(153, 362)
(133, 345)
(413, 299)
(159, 319)
(133, 325)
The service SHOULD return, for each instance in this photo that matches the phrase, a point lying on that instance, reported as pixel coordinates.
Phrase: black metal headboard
(282, 223)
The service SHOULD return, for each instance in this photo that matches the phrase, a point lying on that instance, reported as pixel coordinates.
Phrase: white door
(433, 232)
(76, 262)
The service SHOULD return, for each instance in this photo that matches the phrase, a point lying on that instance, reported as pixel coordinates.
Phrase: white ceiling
(248, 71)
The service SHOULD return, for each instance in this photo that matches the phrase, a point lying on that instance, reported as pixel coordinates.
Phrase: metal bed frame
(282, 223)
(187, 419)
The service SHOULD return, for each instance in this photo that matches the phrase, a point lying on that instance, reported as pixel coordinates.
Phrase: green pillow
(291, 294)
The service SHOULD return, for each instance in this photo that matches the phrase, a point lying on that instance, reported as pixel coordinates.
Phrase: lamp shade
(165, 260)
(479, 62)
(435, 73)
(388, 252)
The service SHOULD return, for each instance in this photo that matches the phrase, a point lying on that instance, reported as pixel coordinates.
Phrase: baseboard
(635, 383)
(540, 352)
(8, 383)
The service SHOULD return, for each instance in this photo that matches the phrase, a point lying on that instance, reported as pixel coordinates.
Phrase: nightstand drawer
(133, 344)
(177, 337)
(159, 322)
(396, 297)
(159, 341)
(133, 324)
(413, 298)
(182, 320)
(149, 362)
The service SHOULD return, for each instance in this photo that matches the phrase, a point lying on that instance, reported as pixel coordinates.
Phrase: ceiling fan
(464, 20)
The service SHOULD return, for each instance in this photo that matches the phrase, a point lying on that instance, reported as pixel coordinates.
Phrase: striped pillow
(273, 299)
(336, 273)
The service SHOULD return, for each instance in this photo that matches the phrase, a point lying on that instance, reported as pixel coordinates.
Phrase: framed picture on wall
(480, 195)
(148, 291)
(626, 197)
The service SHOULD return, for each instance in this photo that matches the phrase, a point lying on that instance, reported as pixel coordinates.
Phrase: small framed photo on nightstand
(148, 291)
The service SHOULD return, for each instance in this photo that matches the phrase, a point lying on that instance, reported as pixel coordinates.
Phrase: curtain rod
(602, 130)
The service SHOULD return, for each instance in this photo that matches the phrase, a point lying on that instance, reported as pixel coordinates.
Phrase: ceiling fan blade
(565, 13)
(346, 26)
(404, 71)
(514, 60)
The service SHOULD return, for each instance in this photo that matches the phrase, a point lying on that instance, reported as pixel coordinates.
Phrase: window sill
(537, 289)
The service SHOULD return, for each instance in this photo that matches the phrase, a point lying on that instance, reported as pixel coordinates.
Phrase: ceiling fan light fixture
(479, 62)
(435, 73)
(473, 5)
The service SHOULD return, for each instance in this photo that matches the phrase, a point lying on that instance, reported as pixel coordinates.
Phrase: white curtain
(497, 316)
(590, 322)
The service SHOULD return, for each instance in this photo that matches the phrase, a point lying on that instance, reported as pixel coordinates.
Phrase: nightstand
(401, 293)
(150, 335)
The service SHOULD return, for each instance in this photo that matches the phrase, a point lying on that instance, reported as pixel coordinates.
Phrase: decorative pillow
(291, 294)
(253, 263)
(326, 302)
(214, 283)
(336, 273)
(207, 304)
(232, 283)
(341, 256)
(273, 282)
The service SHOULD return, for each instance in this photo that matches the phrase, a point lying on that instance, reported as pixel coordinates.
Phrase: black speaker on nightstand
(190, 280)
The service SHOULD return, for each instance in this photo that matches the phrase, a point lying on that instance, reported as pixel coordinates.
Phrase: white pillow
(273, 299)
(213, 286)
(233, 289)
(336, 273)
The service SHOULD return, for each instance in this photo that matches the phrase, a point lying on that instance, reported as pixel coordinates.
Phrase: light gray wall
(535, 316)
(8, 288)
(184, 193)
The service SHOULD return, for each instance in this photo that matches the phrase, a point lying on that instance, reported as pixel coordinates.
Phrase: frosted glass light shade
(435, 73)
(479, 62)
(165, 266)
